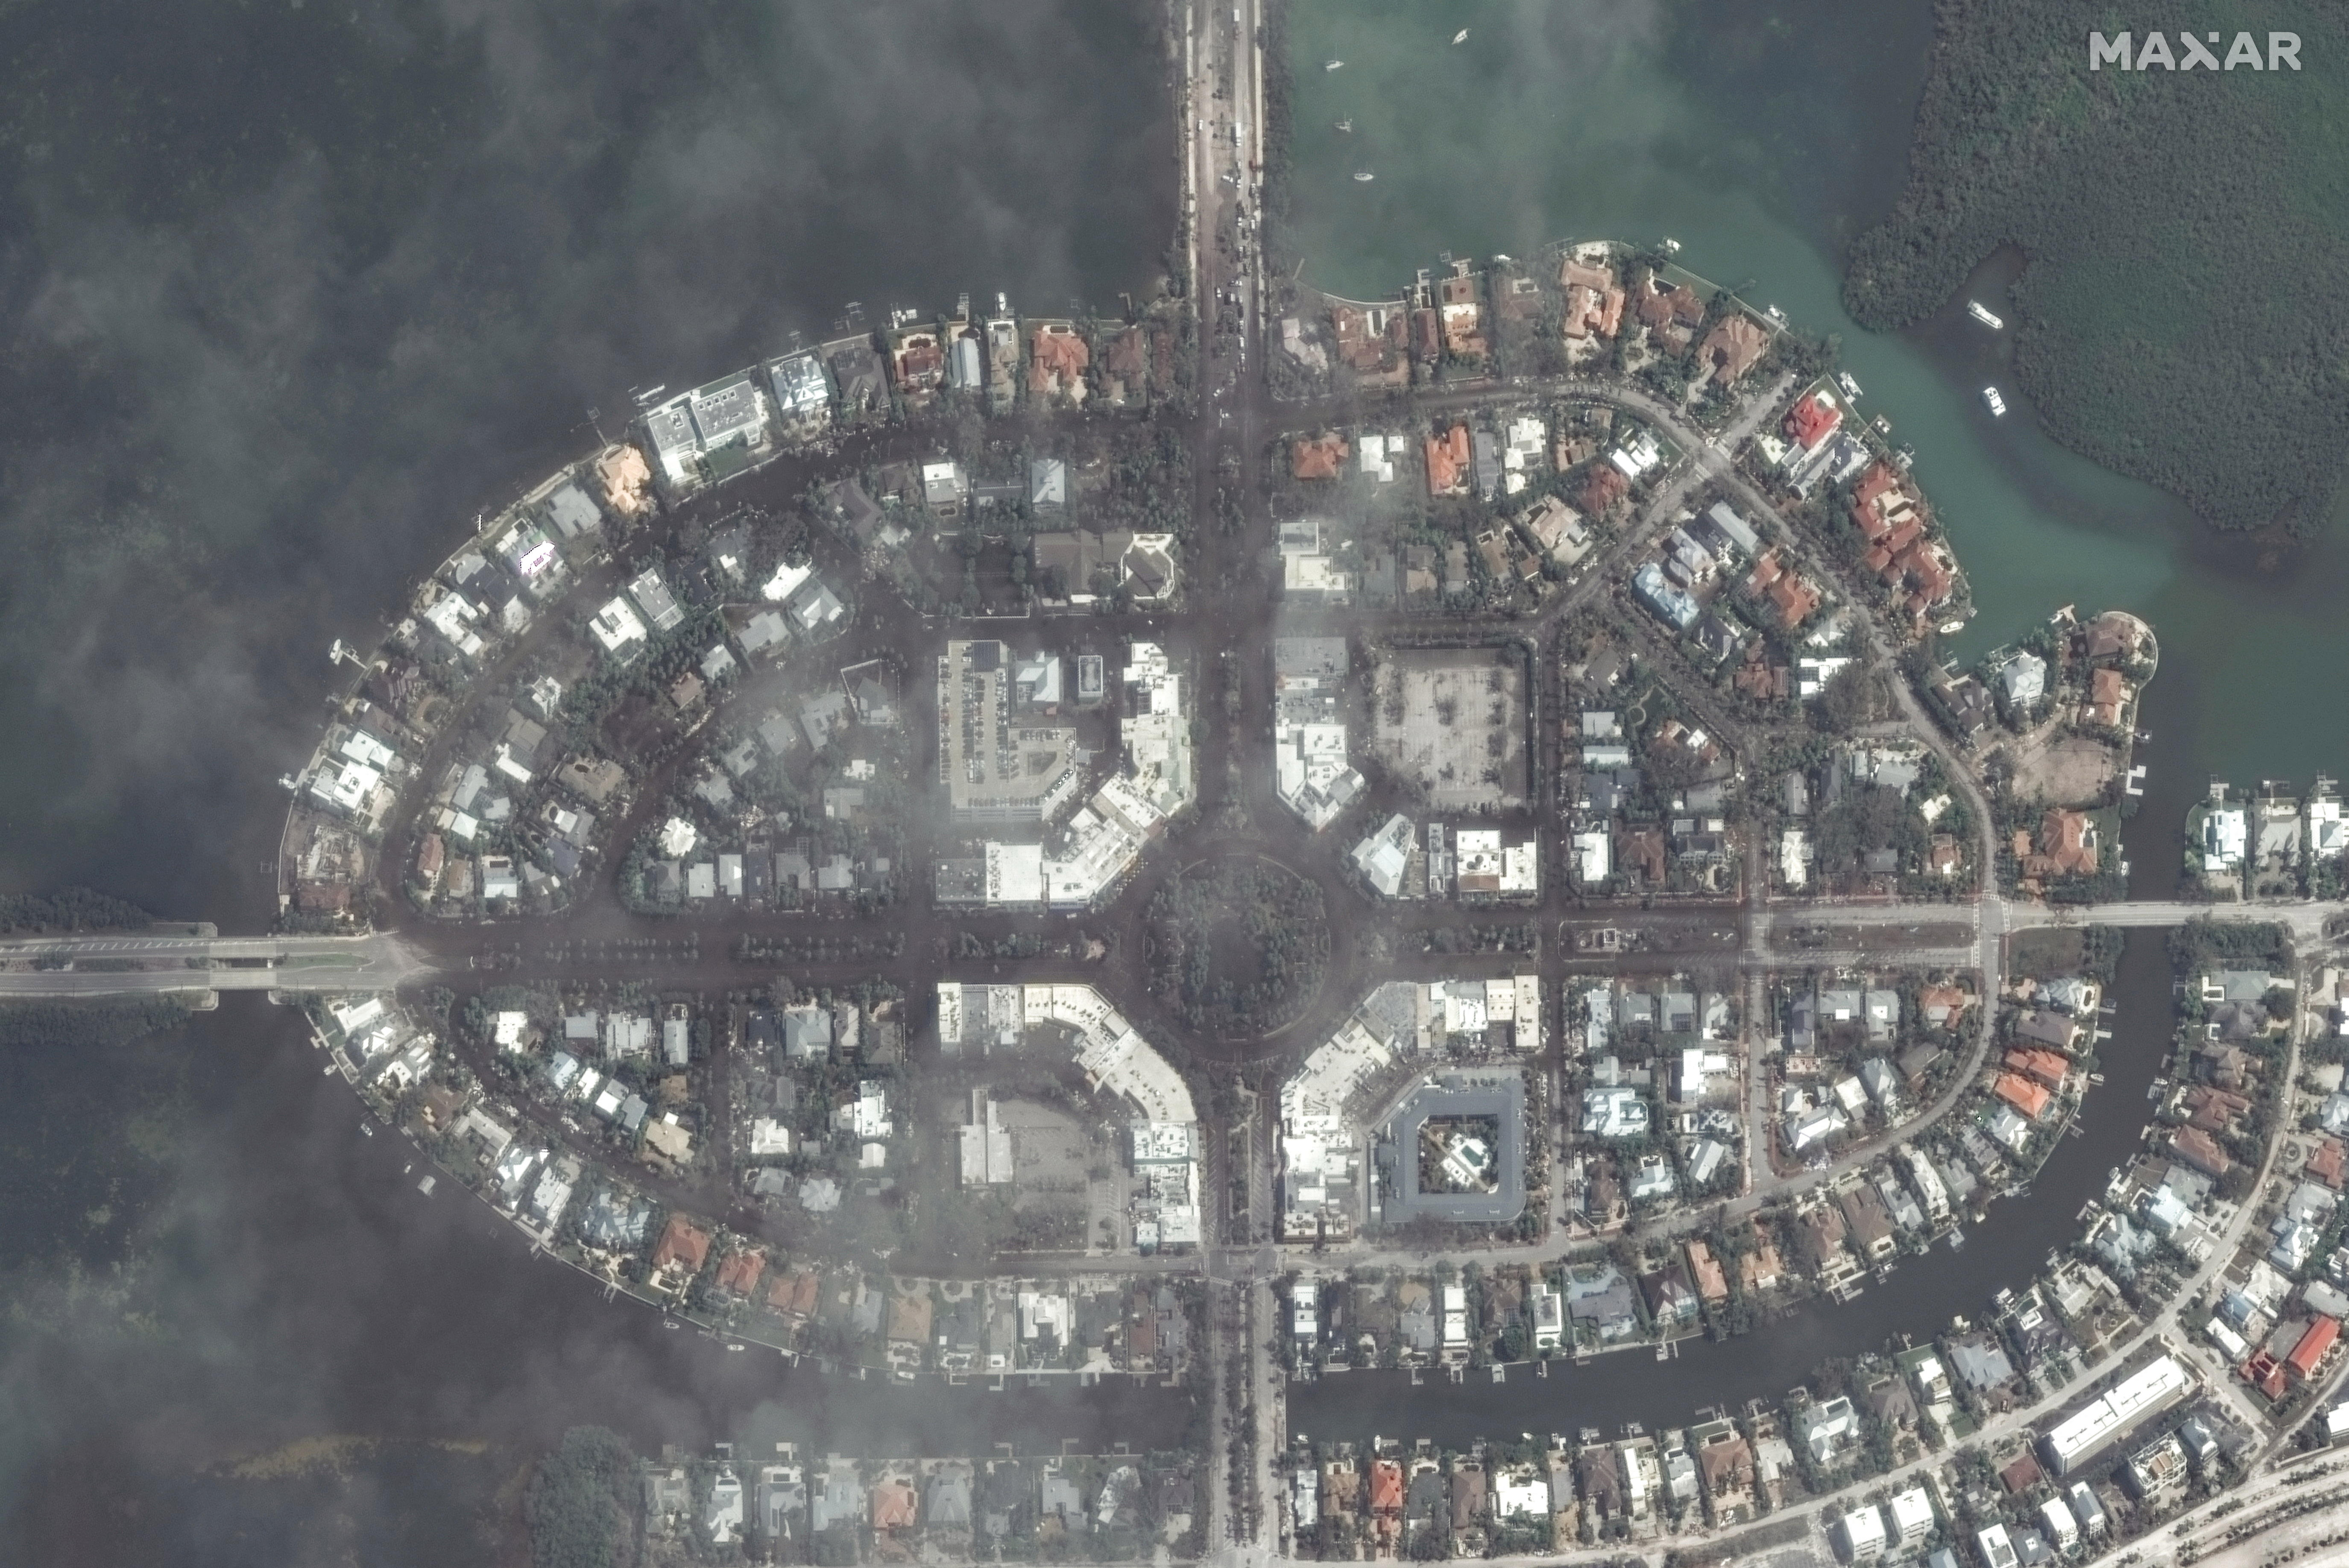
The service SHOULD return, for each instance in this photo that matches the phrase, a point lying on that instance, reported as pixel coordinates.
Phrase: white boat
(1365, 175)
(1951, 628)
(1672, 246)
(1347, 126)
(1461, 37)
(1997, 404)
(1981, 313)
(1331, 65)
(1844, 380)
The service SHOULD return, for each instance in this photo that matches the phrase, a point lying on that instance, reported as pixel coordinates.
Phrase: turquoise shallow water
(1760, 139)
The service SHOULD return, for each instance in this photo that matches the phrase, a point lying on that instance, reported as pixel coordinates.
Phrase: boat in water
(1981, 313)
(1365, 175)
(1331, 65)
(1997, 404)
(1347, 126)
(1461, 37)
(1951, 628)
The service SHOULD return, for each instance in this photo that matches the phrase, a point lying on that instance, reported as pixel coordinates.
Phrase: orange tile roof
(1603, 489)
(1447, 461)
(682, 1242)
(738, 1273)
(1733, 345)
(2047, 1067)
(1386, 1487)
(793, 1294)
(1318, 460)
(2326, 1165)
(1710, 1282)
(1955, 998)
(2064, 839)
(893, 1505)
(1057, 357)
(2020, 1093)
(1576, 275)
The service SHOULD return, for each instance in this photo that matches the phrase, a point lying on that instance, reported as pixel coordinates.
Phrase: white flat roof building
(2140, 1395)
(1913, 1515)
(615, 626)
(1860, 1533)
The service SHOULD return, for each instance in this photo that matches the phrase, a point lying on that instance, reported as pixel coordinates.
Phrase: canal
(1762, 141)
(1917, 1300)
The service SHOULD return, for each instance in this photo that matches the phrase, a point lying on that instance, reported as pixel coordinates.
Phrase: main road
(136, 963)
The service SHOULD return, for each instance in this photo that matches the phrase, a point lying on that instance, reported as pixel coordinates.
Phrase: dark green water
(1760, 138)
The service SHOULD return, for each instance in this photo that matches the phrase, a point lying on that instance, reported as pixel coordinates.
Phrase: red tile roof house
(2106, 692)
(1594, 300)
(2067, 846)
(1811, 419)
(1602, 490)
(1386, 1487)
(1672, 313)
(1318, 460)
(1879, 504)
(1057, 358)
(2047, 1067)
(2327, 1164)
(1447, 462)
(738, 1273)
(2265, 1373)
(2196, 1148)
(2213, 1110)
(1794, 599)
(1733, 345)
(682, 1246)
(2020, 1093)
(894, 1506)
(2313, 1345)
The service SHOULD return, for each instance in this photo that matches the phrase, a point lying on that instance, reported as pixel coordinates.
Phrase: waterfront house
(1725, 1462)
(1829, 1430)
(1594, 300)
(1870, 1223)
(1733, 345)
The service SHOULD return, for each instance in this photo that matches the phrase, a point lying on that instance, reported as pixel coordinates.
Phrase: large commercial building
(993, 768)
(1309, 681)
(2082, 1435)
(1075, 866)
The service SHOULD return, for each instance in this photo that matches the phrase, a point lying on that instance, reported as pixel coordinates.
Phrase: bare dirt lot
(2062, 769)
(1451, 722)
